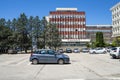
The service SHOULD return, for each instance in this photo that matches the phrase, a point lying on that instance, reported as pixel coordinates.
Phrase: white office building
(116, 20)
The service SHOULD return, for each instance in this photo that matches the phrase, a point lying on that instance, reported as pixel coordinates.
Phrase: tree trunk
(25, 50)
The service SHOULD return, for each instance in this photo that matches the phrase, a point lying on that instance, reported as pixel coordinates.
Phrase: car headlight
(66, 56)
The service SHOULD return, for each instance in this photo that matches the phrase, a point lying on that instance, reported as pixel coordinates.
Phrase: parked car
(76, 50)
(68, 50)
(12, 51)
(60, 50)
(97, 51)
(85, 50)
(48, 56)
(115, 52)
(109, 48)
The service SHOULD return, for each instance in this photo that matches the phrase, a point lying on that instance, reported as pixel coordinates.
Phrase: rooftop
(115, 6)
(66, 9)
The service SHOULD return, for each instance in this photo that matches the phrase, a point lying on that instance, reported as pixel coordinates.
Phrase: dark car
(68, 50)
(48, 56)
(60, 50)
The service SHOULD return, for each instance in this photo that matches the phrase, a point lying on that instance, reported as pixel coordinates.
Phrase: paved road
(83, 67)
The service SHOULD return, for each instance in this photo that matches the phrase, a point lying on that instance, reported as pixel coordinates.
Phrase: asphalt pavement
(83, 66)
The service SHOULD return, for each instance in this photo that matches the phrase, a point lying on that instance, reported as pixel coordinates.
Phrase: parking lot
(83, 66)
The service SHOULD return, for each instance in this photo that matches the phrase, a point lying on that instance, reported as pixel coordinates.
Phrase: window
(76, 29)
(37, 52)
(51, 52)
(43, 52)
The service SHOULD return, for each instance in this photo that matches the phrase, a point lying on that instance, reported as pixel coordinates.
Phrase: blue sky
(97, 11)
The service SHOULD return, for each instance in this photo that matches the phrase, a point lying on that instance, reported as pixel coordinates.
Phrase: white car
(115, 52)
(97, 51)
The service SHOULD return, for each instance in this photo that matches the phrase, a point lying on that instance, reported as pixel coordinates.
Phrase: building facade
(71, 24)
(91, 31)
(116, 20)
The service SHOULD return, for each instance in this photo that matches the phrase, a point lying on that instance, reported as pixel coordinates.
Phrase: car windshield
(85, 48)
(68, 49)
(76, 49)
(114, 48)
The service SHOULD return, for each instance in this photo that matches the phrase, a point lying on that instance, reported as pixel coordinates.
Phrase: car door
(43, 56)
(97, 50)
(51, 56)
(100, 50)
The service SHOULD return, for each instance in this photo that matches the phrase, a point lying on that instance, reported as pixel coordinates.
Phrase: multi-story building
(71, 24)
(116, 20)
(105, 29)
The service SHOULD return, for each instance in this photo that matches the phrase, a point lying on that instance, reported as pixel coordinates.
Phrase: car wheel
(104, 52)
(114, 57)
(34, 61)
(60, 61)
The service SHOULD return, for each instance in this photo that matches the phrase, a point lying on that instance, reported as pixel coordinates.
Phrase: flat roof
(66, 9)
(115, 6)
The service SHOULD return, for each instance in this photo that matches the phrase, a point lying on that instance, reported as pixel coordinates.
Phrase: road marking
(22, 62)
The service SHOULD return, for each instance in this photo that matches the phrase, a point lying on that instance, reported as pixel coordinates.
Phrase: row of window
(68, 23)
(116, 29)
(74, 44)
(45, 52)
(73, 36)
(67, 16)
(71, 29)
(98, 30)
(115, 16)
(116, 22)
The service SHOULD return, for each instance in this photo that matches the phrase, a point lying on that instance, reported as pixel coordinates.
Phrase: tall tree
(2, 22)
(14, 24)
(23, 38)
(5, 32)
(30, 30)
(8, 24)
(99, 40)
(53, 38)
(37, 31)
(44, 25)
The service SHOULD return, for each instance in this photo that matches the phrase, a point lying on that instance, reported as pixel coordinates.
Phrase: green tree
(30, 29)
(44, 25)
(14, 24)
(99, 40)
(2, 22)
(8, 24)
(53, 38)
(23, 38)
(88, 45)
(5, 32)
(116, 42)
